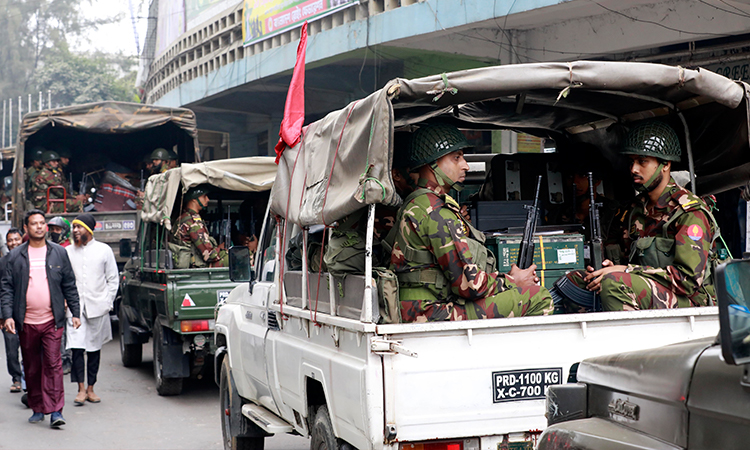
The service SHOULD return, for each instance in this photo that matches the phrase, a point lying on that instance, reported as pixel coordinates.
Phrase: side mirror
(239, 264)
(126, 248)
(733, 295)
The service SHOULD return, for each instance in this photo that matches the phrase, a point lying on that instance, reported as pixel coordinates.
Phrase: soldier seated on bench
(192, 231)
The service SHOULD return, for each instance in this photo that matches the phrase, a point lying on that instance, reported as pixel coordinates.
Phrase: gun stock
(596, 248)
(526, 250)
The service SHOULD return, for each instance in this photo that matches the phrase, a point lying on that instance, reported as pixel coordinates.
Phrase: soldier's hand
(594, 279)
(465, 213)
(524, 277)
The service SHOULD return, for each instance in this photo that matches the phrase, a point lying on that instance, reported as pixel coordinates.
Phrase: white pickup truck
(300, 352)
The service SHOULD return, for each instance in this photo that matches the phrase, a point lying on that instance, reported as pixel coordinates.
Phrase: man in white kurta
(97, 282)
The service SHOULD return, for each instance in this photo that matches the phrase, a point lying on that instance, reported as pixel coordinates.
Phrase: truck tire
(231, 405)
(321, 436)
(164, 386)
(131, 354)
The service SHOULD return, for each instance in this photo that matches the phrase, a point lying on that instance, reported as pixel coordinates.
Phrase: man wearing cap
(50, 176)
(671, 233)
(97, 281)
(193, 232)
(35, 287)
(444, 270)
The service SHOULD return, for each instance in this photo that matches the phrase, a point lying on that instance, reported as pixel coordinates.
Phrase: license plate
(515, 385)
(221, 297)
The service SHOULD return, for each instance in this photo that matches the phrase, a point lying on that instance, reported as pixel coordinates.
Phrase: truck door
(256, 320)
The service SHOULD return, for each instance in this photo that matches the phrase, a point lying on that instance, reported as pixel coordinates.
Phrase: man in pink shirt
(37, 281)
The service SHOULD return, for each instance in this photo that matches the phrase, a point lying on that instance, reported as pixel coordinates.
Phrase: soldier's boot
(514, 302)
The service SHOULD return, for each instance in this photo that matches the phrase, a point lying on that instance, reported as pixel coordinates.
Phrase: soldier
(160, 161)
(193, 232)
(671, 233)
(172, 161)
(33, 170)
(64, 155)
(443, 268)
(49, 176)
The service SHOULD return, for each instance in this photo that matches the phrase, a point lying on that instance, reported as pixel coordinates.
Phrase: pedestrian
(97, 281)
(12, 240)
(36, 283)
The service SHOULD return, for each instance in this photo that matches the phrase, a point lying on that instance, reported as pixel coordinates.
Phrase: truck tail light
(186, 326)
(437, 445)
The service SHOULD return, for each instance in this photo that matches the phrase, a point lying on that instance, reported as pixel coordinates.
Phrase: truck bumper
(598, 434)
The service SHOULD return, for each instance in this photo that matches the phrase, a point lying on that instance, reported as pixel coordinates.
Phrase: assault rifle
(526, 250)
(596, 227)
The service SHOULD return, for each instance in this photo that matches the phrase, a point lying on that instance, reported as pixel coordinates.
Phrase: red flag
(294, 109)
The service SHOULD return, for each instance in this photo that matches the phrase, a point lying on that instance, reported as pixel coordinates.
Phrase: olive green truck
(170, 303)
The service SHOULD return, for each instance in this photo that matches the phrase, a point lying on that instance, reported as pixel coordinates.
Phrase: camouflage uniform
(670, 245)
(441, 277)
(38, 192)
(192, 231)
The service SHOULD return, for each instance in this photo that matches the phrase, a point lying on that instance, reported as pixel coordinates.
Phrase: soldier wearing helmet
(671, 233)
(192, 231)
(444, 270)
(160, 161)
(50, 176)
(33, 170)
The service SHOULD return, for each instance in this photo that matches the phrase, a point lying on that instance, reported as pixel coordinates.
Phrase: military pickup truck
(106, 141)
(305, 351)
(693, 395)
(163, 297)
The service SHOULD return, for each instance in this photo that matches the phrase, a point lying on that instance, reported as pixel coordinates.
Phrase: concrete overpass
(241, 90)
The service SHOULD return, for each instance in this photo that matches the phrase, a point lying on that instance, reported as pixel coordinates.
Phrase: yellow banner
(263, 19)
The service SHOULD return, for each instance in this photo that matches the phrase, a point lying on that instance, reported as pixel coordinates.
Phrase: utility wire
(635, 19)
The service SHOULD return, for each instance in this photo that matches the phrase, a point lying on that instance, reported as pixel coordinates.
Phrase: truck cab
(691, 395)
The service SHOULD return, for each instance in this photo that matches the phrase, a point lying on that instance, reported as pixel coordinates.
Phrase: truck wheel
(164, 386)
(231, 405)
(131, 354)
(322, 437)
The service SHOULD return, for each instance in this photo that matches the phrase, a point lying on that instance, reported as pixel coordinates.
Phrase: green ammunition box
(548, 277)
(557, 251)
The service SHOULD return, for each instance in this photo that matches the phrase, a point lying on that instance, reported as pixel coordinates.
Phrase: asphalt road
(130, 416)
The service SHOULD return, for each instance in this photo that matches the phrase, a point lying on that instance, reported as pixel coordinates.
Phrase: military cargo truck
(167, 299)
(303, 351)
(107, 142)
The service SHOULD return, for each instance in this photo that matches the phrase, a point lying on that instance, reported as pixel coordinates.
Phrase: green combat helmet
(50, 156)
(63, 152)
(430, 143)
(172, 156)
(36, 153)
(161, 154)
(195, 192)
(653, 138)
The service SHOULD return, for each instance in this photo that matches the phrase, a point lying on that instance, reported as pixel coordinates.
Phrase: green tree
(31, 31)
(78, 78)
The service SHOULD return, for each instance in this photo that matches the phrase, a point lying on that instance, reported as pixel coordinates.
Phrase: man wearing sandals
(97, 281)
